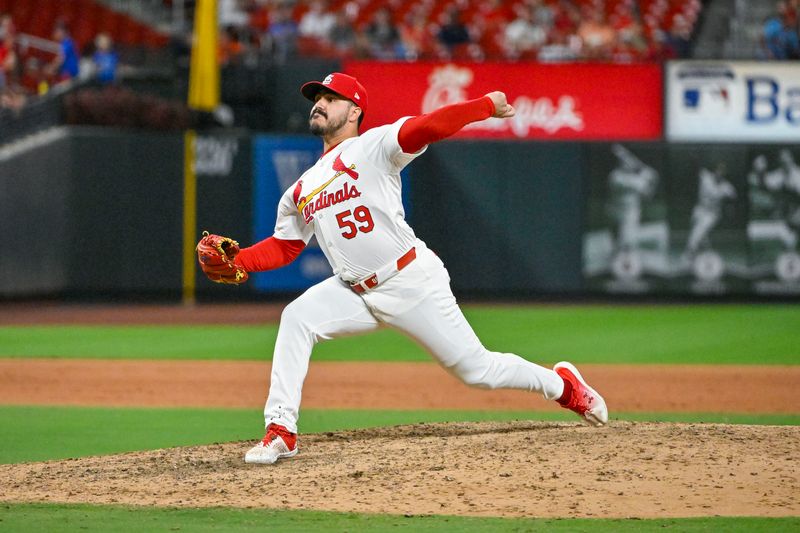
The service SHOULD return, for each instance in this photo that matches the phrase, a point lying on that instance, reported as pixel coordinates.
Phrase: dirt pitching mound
(490, 469)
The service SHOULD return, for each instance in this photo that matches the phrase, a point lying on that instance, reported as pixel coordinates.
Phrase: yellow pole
(204, 70)
(203, 95)
(189, 217)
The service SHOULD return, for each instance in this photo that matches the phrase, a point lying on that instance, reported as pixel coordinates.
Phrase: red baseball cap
(341, 84)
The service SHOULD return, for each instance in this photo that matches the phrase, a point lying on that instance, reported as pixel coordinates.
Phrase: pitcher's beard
(323, 130)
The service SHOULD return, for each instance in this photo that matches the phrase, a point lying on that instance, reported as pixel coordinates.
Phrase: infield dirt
(488, 469)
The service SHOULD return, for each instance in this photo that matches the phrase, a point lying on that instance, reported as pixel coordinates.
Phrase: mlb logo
(691, 98)
(328, 79)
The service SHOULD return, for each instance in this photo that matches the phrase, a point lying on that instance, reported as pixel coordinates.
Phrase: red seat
(83, 31)
(153, 39)
(131, 33)
(259, 19)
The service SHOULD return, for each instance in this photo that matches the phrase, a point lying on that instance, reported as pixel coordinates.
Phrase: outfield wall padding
(505, 216)
(98, 212)
(36, 218)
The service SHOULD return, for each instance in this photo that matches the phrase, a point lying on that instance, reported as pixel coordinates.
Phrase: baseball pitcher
(383, 274)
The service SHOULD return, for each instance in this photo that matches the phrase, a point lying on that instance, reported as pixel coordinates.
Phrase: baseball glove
(215, 255)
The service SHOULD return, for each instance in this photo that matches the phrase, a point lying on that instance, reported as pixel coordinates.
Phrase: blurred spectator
(631, 42)
(567, 17)
(597, 36)
(259, 17)
(656, 50)
(13, 97)
(792, 41)
(772, 34)
(229, 46)
(317, 21)
(543, 15)
(679, 38)
(282, 33)
(495, 13)
(342, 35)
(65, 65)
(105, 59)
(559, 49)
(454, 33)
(489, 24)
(792, 13)
(780, 35)
(524, 35)
(6, 25)
(416, 35)
(230, 13)
(8, 60)
(383, 39)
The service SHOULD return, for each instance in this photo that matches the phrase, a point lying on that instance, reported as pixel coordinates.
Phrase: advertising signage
(553, 102)
(689, 218)
(733, 101)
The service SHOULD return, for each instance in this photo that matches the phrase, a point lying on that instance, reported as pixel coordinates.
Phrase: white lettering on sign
(214, 156)
(447, 85)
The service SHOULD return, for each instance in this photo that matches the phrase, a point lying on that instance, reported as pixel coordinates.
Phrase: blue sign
(278, 162)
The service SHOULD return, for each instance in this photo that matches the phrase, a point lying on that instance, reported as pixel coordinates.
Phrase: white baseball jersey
(351, 200)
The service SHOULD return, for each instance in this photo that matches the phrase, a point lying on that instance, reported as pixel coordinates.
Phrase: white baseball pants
(417, 301)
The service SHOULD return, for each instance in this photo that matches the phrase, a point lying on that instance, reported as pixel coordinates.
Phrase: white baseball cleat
(278, 443)
(580, 397)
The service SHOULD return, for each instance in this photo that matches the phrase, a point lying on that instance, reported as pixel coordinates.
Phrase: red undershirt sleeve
(269, 254)
(419, 131)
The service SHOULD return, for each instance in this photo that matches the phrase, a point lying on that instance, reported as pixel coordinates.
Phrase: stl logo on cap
(342, 84)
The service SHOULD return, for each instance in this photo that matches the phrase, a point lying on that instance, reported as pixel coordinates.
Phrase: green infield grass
(52, 517)
(43, 433)
(710, 334)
